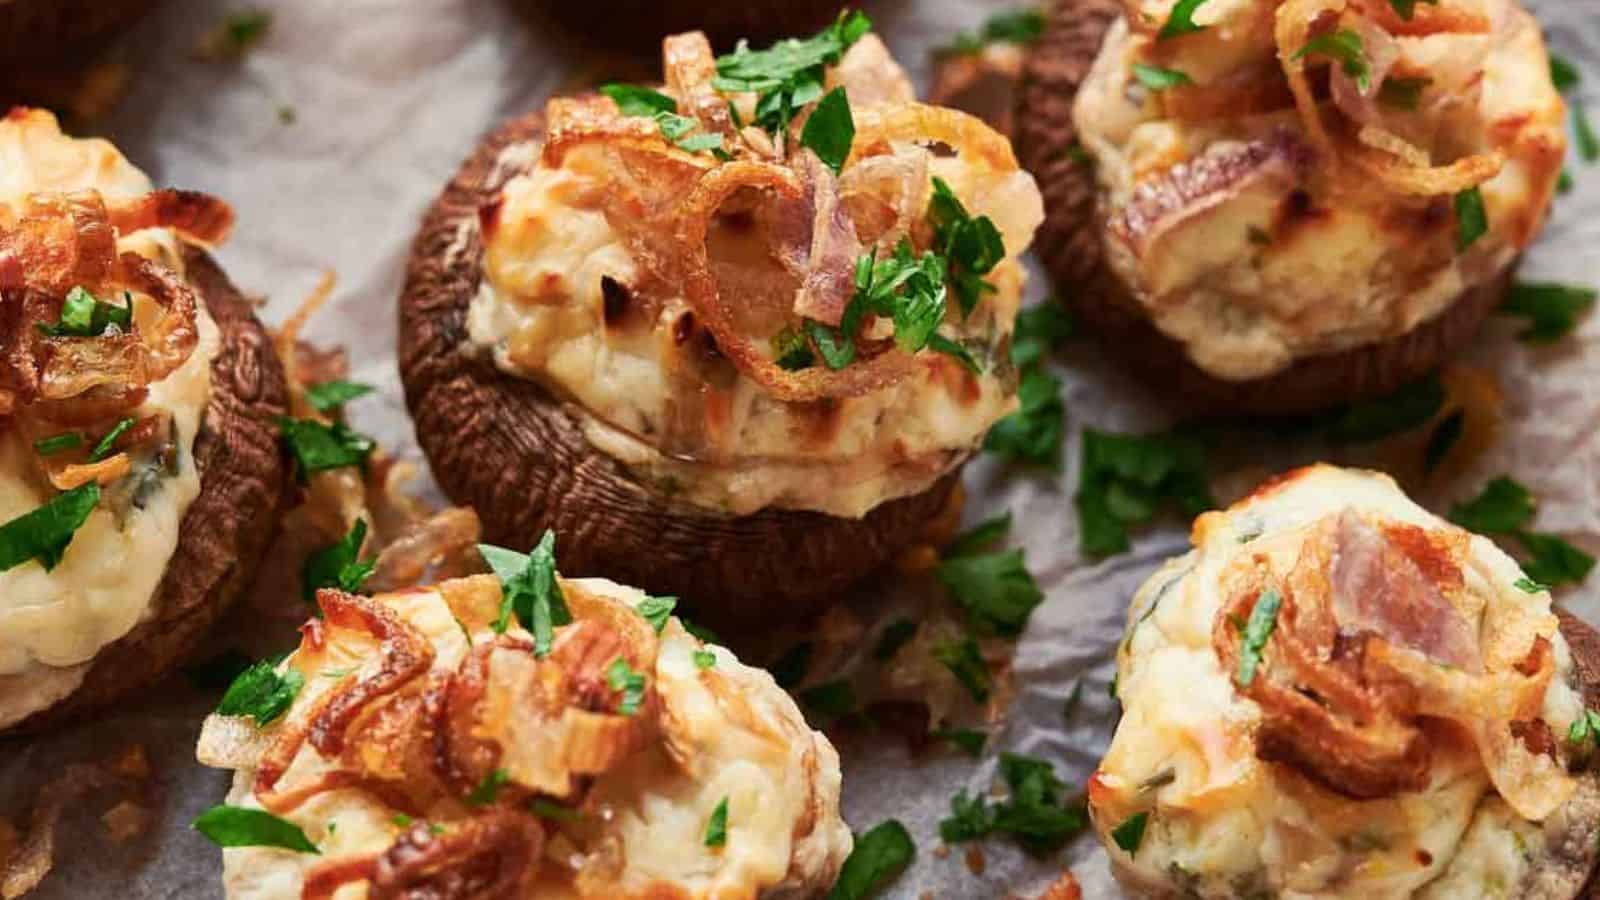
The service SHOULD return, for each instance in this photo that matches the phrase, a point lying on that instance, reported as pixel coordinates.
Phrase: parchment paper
(388, 97)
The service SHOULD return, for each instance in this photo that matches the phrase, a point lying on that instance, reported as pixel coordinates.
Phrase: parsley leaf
(1408, 407)
(238, 826)
(1563, 73)
(1343, 46)
(1125, 479)
(1503, 506)
(683, 132)
(1021, 26)
(85, 315)
(1529, 586)
(1032, 814)
(996, 589)
(49, 446)
(837, 348)
(1040, 329)
(1587, 142)
(775, 67)
(968, 740)
(790, 350)
(637, 100)
(1257, 631)
(717, 826)
(878, 857)
(1552, 560)
(979, 537)
(656, 610)
(621, 677)
(328, 396)
(489, 788)
(704, 659)
(1157, 78)
(528, 589)
(109, 442)
(971, 245)
(1552, 310)
(1130, 834)
(1033, 433)
(1181, 20)
(829, 130)
(317, 447)
(338, 566)
(45, 533)
(964, 661)
(1472, 221)
(895, 636)
(1585, 729)
(261, 693)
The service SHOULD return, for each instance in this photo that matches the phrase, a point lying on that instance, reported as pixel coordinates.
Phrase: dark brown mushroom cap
(1584, 642)
(243, 482)
(1069, 242)
(506, 447)
(43, 30)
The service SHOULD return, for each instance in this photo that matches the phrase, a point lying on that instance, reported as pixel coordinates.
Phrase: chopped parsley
(1585, 730)
(262, 693)
(528, 590)
(830, 129)
(971, 246)
(1552, 310)
(327, 396)
(546, 809)
(964, 661)
(1403, 93)
(1408, 407)
(1158, 78)
(1552, 560)
(338, 566)
(1472, 220)
(1020, 26)
(979, 537)
(49, 446)
(317, 447)
(995, 589)
(1344, 47)
(790, 668)
(1040, 329)
(489, 788)
(1529, 586)
(1033, 433)
(968, 740)
(1444, 438)
(45, 533)
(683, 132)
(1405, 9)
(878, 857)
(1130, 834)
(717, 826)
(1505, 507)
(656, 610)
(895, 636)
(621, 677)
(1587, 142)
(109, 442)
(1257, 631)
(637, 100)
(85, 315)
(790, 350)
(1033, 813)
(1563, 73)
(1181, 20)
(909, 290)
(705, 659)
(788, 75)
(238, 826)
(1126, 479)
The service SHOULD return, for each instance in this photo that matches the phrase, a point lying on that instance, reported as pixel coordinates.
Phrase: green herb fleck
(1181, 20)
(717, 826)
(1040, 329)
(979, 537)
(995, 589)
(1552, 310)
(1021, 26)
(328, 396)
(1257, 631)
(237, 826)
(969, 741)
(1130, 834)
(964, 661)
(1125, 479)
(878, 857)
(262, 693)
(49, 446)
(1033, 433)
(528, 590)
(637, 100)
(1343, 46)
(317, 447)
(829, 130)
(1157, 78)
(705, 659)
(45, 533)
(338, 566)
(621, 677)
(489, 788)
(1472, 221)
(109, 442)
(85, 315)
(656, 610)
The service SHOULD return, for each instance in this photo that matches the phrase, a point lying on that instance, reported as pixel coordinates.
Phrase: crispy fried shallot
(1373, 669)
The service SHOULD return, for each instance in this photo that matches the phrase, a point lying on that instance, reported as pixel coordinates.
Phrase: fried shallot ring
(197, 217)
(1291, 32)
(968, 135)
(404, 653)
(1407, 177)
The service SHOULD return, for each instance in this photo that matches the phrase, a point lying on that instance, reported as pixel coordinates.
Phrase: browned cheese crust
(243, 480)
(504, 446)
(1069, 242)
(43, 30)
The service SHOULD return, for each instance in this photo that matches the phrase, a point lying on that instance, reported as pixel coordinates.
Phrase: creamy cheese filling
(1222, 823)
(554, 264)
(1287, 254)
(730, 733)
(52, 623)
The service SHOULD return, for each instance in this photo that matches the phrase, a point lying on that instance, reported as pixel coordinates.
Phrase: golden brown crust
(504, 446)
(44, 30)
(243, 481)
(1069, 243)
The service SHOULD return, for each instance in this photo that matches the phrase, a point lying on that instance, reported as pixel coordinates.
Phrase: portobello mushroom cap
(507, 447)
(226, 529)
(44, 30)
(1069, 243)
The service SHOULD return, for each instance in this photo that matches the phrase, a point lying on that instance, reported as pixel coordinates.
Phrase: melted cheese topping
(1316, 257)
(730, 732)
(541, 309)
(1225, 824)
(53, 623)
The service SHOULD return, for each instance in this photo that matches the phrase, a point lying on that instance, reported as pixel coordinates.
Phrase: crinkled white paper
(388, 97)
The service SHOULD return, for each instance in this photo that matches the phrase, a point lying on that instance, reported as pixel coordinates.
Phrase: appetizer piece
(734, 337)
(1272, 207)
(1339, 694)
(436, 748)
(140, 473)
(43, 31)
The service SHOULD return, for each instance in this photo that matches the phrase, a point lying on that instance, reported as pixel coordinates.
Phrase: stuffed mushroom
(1338, 694)
(732, 338)
(1280, 206)
(436, 748)
(140, 474)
